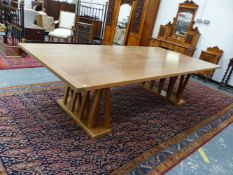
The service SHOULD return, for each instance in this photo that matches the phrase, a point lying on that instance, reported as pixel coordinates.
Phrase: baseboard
(213, 81)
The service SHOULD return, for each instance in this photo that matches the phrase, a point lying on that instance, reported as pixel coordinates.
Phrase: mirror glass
(122, 22)
(183, 21)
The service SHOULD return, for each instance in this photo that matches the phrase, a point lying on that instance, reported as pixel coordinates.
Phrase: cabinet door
(154, 43)
(34, 34)
(149, 23)
(111, 21)
(137, 22)
(53, 8)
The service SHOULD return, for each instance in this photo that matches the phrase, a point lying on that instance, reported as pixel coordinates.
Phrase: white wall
(219, 32)
(97, 1)
(27, 3)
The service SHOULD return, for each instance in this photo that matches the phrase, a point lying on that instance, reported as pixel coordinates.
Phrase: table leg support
(168, 94)
(84, 109)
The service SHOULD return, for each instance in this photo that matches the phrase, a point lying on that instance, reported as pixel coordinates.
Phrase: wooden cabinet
(141, 23)
(170, 45)
(34, 33)
(54, 7)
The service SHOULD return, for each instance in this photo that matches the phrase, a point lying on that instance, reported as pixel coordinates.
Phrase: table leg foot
(168, 94)
(84, 109)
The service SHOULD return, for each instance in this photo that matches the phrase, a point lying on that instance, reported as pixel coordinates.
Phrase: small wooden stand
(9, 51)
(212, 55)
(5, 49)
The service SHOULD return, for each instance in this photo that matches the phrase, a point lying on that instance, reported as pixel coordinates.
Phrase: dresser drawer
(34, 34)
(164, 45)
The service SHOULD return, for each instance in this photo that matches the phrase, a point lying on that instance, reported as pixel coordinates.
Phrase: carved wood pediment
(189, 3)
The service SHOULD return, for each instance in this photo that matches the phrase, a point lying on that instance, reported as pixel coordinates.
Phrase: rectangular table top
(88, 67)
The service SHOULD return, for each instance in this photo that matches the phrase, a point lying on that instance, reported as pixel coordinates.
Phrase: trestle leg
(169, 93)
(84, 109)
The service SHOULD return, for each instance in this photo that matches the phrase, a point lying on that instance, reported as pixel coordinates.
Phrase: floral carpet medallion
(38, 137)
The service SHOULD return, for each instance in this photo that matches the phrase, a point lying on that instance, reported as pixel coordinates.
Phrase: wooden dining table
(90, 72)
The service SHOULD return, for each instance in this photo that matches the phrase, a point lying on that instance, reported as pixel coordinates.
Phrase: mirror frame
(187, 6)
(132, 3)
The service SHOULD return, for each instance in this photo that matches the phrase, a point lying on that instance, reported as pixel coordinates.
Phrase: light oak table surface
(88, 67)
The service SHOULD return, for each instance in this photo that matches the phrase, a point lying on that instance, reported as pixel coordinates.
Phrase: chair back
(84, 30)
(67, 20)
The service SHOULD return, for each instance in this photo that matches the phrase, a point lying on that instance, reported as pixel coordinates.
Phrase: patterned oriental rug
(149, 135)
(18, 63)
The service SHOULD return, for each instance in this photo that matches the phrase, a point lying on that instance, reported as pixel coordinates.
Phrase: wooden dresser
(185, 45)
(180, 35)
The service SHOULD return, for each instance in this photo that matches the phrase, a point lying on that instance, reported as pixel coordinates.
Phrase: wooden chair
(84, 31)
(227, 74)
(65, 28)
(212, 55)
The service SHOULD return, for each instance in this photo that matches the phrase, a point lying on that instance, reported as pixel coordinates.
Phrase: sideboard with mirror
(130, 22)
(180, 35)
